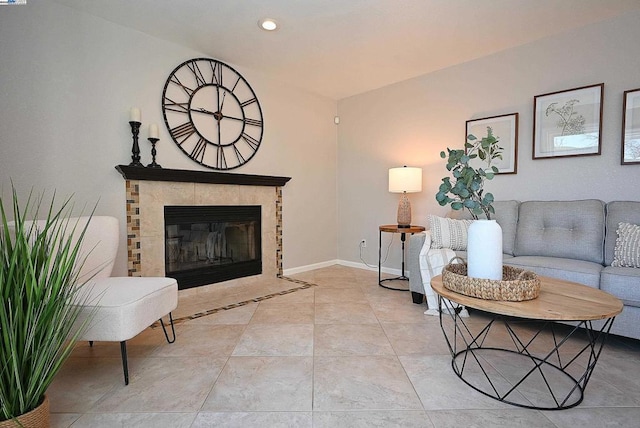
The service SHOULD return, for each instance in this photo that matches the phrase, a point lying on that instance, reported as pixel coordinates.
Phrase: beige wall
(69, 79)
(67, 83)
(412, 121)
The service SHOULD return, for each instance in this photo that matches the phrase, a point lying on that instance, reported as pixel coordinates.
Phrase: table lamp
(405, 180)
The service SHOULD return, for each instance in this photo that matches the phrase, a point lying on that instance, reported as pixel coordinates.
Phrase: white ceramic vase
(484, 250)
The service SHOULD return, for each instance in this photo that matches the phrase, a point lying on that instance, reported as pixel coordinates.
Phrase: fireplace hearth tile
(145, 204)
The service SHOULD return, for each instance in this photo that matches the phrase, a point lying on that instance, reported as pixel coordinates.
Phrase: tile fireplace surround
(148, 190)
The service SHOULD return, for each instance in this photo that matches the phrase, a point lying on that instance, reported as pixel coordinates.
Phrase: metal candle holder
(135, 156)
(153, 163)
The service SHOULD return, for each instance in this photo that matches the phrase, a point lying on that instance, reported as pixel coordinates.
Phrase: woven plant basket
(516, 285)
(37, 418)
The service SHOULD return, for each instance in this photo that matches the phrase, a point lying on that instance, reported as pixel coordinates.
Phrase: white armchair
(120, 307)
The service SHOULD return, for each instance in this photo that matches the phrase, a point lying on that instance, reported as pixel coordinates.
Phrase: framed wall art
(505, 129)
(568, 123)
(631, 127)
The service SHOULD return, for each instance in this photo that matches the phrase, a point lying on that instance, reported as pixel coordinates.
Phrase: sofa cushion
(627, 250)
(617, 212)
(580, 271)
(448, 232)
(624, 283)
(564, 229)
(506, 216)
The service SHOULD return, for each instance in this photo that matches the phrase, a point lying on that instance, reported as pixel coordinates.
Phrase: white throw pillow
(448, 232)
(627, 251)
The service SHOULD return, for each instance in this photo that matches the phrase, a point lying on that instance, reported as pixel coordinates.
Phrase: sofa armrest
(416, 242)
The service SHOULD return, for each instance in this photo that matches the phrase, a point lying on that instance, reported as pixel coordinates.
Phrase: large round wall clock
(212, 113)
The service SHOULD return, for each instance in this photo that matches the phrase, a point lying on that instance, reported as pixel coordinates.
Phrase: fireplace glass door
(210, 244)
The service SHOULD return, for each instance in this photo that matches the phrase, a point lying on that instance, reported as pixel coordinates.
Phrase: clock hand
(217, 115)
(202, 110)
(232, 117)
(218, 96)
(223, 97)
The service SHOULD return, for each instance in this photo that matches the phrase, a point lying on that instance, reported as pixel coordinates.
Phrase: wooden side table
(393, 228)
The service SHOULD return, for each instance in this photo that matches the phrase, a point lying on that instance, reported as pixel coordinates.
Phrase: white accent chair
(120, 307)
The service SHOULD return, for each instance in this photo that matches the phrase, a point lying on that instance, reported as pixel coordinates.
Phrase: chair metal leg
(173, 330)
(125, 367)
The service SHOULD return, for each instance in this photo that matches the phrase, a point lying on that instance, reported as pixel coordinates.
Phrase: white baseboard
(300, 269)
(374, 268)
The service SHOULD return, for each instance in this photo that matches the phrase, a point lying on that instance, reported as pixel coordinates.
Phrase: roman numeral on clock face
(171, 105)
(216, 73)
(248, 102)
(183, 131)
(239, 156)
(252, 122)
(175, 80)
(221, 159)
(193, 66)
(198, 151)
(252, 142)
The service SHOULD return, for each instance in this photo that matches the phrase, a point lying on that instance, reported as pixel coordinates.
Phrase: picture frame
(630, 149)
(568, 123)
(505, 129)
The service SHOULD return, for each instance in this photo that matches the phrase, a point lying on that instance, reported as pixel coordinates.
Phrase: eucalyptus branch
(467, 190)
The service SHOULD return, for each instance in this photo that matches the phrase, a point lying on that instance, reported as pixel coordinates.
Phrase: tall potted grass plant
(39, 303)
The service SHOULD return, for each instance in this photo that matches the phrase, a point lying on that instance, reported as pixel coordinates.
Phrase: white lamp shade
(405, 179)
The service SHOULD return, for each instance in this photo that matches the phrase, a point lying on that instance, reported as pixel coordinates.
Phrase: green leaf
(456, 206)
(471, 137)
(488, 199)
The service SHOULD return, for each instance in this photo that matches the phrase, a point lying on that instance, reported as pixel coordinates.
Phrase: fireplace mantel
(192, 176)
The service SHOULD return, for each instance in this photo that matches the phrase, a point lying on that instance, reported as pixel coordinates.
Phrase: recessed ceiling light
(268, 24)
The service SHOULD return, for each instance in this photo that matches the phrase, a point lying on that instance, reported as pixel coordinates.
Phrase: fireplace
(149, 190)
(210, 244)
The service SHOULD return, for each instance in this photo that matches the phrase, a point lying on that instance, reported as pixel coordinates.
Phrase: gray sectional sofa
(570, 240)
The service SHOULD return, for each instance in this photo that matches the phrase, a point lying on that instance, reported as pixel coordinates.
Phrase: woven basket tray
(516, 284)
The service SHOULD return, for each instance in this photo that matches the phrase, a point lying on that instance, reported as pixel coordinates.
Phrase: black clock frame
(184, 131)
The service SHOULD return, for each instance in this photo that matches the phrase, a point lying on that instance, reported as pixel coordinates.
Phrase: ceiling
(340, 48)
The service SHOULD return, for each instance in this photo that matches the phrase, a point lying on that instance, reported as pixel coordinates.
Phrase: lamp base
(404, 211)
(404, 226)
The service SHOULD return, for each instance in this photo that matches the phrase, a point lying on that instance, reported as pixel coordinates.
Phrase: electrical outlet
(363, 243)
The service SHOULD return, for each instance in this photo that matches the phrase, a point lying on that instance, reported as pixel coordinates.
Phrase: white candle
(153, 131)
(135, 115)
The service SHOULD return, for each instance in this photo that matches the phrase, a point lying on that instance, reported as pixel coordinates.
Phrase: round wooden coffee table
(517, 353)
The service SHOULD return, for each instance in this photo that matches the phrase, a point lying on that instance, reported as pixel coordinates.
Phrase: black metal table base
(397, 278)
(511, 360)
(402, 277)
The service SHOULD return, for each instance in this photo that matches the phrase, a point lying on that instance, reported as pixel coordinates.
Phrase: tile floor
(342, 353)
